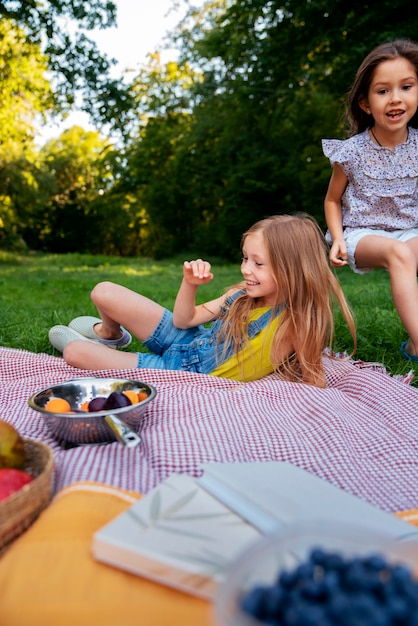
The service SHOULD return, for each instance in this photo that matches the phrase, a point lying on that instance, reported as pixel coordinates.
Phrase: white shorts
(353, 235)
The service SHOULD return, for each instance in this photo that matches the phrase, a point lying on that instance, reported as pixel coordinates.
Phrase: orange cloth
(48, 575)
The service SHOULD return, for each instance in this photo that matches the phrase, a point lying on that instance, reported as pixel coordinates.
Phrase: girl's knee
(101, 292)
(73, 352)
(402, 254)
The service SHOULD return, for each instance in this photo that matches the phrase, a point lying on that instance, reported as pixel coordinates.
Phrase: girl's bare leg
(118, 306)
(401, 261)
(94, 356)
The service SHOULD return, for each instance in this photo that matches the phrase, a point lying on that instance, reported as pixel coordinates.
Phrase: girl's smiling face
(393, 94)
(257, 271)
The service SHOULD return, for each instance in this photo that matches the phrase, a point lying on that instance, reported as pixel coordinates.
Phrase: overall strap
(230, 299)
(256, 326)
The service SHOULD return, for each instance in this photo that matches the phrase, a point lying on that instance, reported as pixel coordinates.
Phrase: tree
(24, 93)
(59, 28)
(228, 133)
(159, 166)
(274, 75)
(77, 165)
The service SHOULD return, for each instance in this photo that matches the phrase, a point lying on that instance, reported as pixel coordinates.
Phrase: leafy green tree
(77, 165)
(160, 161)
(59, 28)
(274, 75)
(25, 93)
(118, 222)
(156, 179)
(89, 207)
(228, 133)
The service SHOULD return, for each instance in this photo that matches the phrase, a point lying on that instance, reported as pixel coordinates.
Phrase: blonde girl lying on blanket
(278, 319)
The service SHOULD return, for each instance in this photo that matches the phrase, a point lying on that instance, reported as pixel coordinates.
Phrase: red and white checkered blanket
(361, 433)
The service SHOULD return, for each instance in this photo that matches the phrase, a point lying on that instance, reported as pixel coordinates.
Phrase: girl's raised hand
(197, 272)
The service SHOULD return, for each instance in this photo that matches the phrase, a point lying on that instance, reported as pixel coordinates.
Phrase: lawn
(38, 291)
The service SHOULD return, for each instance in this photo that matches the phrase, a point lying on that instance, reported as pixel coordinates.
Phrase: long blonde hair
(307, 288)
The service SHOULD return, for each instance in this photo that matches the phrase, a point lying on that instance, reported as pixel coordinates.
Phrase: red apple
(11, 480)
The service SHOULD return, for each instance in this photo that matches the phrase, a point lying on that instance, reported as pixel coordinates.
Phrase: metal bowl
(99, 426)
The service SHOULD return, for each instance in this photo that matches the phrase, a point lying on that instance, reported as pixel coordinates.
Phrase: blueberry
(319, 557)
(273, 601)
(401, 576)
(399, 610)
(287, 579)
(335, 562)
(331, 582)
(314, 590)
(305, 571)
(328, 590)
(354, 576)
(253, 602)
(375, 562)
(337, 606)
(304, 614)
(363, 605)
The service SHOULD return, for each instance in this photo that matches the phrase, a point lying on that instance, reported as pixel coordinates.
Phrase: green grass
(38, 291)
(379, 329)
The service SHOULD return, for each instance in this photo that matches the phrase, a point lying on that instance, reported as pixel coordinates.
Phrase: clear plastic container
(262, 562)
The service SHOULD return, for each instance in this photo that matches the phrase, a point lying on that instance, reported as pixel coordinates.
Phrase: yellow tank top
(254, 358)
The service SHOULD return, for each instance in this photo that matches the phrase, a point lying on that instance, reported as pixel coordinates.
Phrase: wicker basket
(22, 508)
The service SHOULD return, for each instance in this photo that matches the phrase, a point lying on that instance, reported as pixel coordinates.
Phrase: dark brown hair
(358, 119)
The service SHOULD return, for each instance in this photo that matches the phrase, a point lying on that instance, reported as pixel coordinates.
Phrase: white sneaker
(59, 336)
(84, 325)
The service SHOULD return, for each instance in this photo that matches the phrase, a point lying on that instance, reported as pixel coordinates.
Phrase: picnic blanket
(360, 433)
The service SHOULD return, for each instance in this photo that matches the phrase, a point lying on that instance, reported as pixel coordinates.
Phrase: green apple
(12, 450)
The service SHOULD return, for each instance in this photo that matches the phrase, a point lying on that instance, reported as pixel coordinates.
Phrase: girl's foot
(85, 326)
(406, 354)
(60, 335)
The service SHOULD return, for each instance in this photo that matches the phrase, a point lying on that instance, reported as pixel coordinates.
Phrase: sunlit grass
(38, 291)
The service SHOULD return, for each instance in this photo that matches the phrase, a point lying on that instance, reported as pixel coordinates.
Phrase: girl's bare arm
(186, 313)
(333, 216)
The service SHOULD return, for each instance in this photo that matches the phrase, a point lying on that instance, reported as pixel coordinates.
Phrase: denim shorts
(353, 235)
(191, 349)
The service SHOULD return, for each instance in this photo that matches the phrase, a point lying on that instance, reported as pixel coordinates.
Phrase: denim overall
(192, 349)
